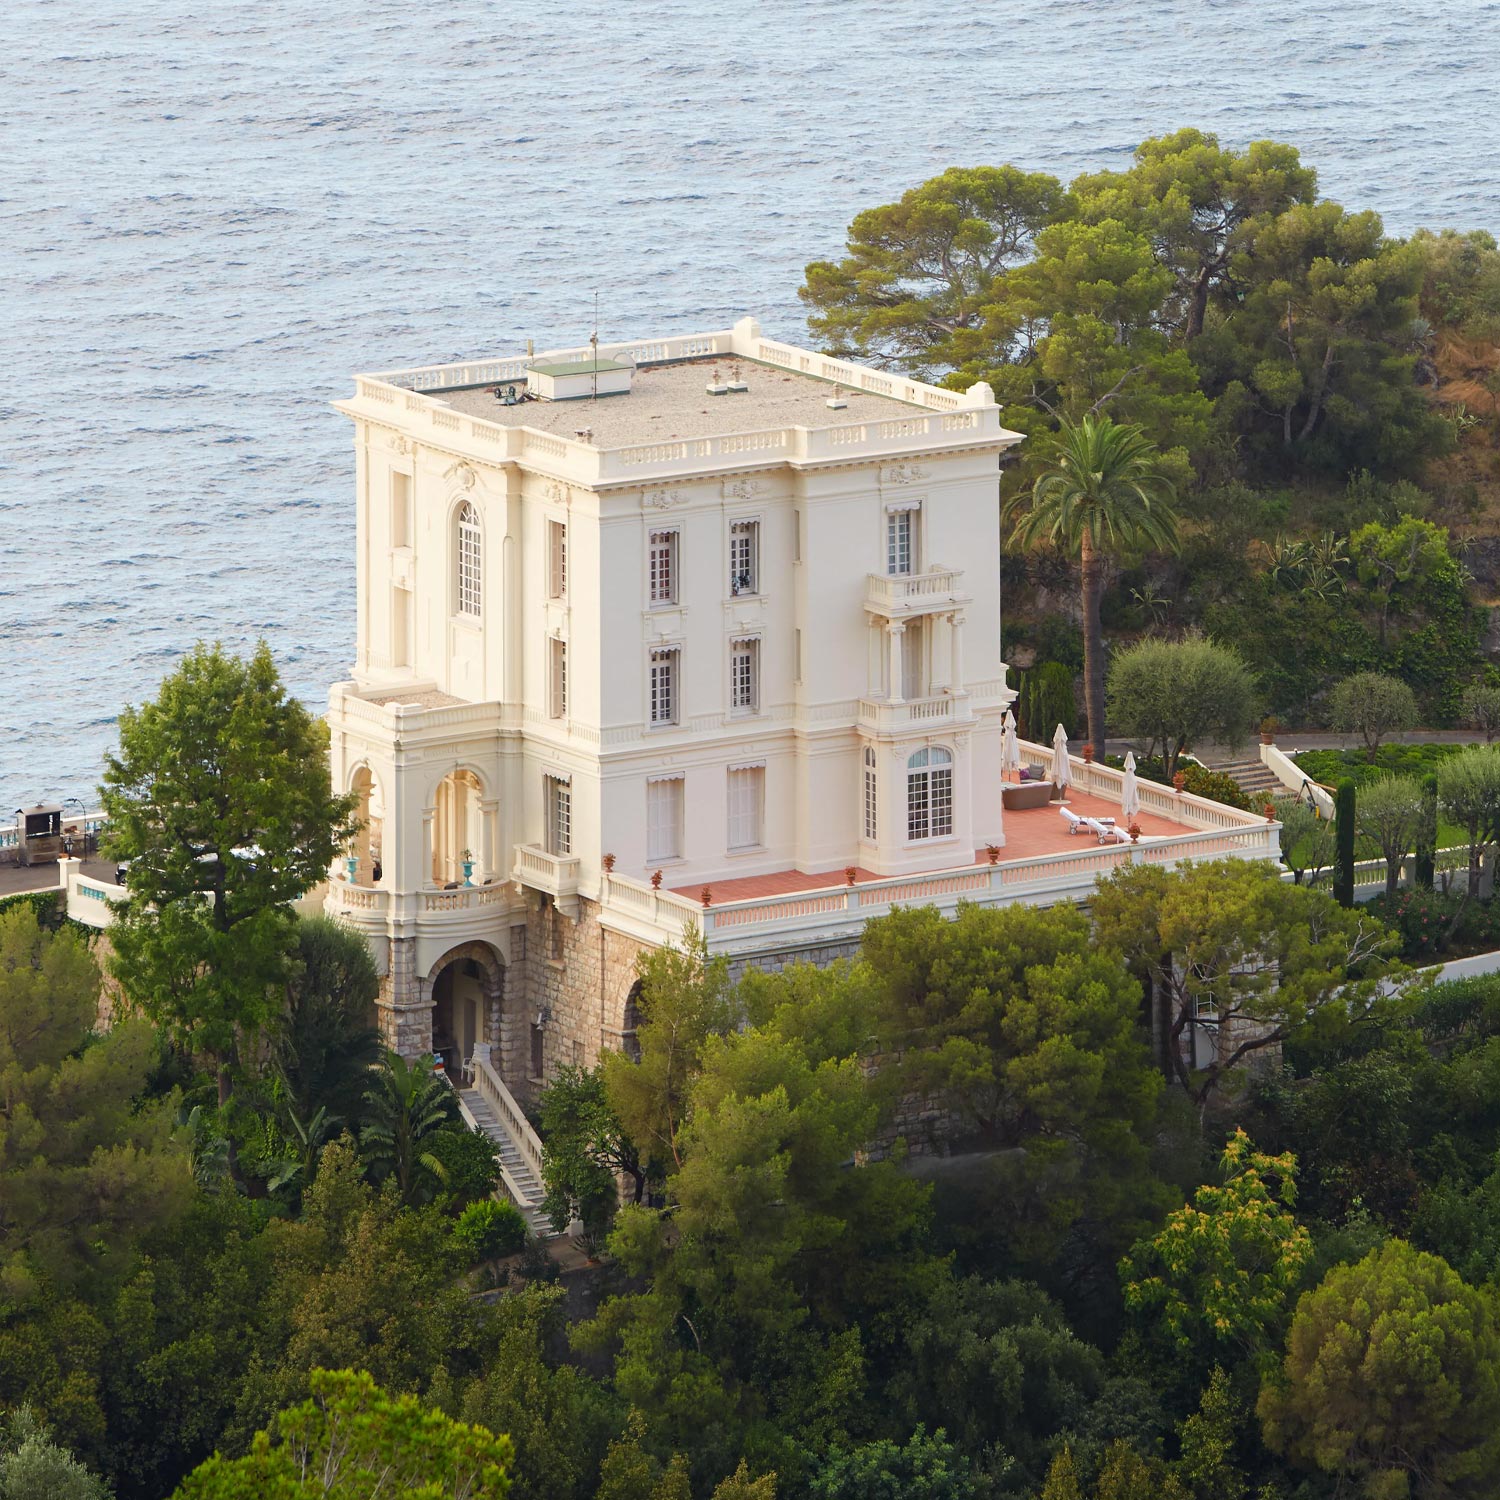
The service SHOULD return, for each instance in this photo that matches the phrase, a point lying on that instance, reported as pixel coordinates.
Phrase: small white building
(703, 629)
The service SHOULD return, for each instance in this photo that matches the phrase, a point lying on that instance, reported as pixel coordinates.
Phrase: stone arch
(368, 842)
(465, 991)
(633, 1016)
(456, 820)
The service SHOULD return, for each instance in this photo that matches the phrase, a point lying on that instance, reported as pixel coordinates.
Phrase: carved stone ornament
(556, 492)
(903, 474)
(461, 474)
(663, 499)
(744, 489)
(399, 444)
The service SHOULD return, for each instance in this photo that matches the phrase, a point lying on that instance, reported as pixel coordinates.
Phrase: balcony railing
(556, 874)
(913, 713)
(914, 593)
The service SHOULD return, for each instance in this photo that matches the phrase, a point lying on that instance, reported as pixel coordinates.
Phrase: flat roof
(579, 367)
(670, 401)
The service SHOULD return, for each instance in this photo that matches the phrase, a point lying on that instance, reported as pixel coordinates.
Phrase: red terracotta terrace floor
(1028, 834)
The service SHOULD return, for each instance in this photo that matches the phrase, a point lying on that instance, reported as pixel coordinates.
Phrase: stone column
(428, 847)
(956, 651)
(894, 631)
(489, 813)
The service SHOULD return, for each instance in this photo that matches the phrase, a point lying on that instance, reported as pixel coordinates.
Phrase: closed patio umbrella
(1130, 793)
(1010, 746)
(1061, 774)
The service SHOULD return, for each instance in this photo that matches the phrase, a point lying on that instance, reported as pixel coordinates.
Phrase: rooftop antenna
(594, 349)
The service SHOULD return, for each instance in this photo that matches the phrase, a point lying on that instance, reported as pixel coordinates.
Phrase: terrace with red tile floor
(1029, 834)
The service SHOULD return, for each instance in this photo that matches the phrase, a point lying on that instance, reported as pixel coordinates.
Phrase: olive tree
(1176, 694)
(1306, 839)
(1372, 705)
(1469, 795)
(1480, 709)
(1239, 959)
(1391, 815)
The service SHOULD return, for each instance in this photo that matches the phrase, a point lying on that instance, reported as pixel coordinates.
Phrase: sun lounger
(1074, 822)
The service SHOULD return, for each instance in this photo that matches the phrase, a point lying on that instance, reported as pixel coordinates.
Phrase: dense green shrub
(488, 1229)
(472, 1161)
(1331, 766)
(1217, 786)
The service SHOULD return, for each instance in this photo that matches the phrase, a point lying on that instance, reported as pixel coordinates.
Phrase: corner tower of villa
(698, 631)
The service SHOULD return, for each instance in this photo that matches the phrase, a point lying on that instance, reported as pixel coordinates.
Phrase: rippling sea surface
(211, 215)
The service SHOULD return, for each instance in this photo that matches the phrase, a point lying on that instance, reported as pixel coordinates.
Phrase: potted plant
(1178, 782)
(656, 880)
(1268, 729)
(1088, 755)
(466, 858)
(993, 851)
(851, 873)
(609, 864)
(351, 864)
(1134, 830)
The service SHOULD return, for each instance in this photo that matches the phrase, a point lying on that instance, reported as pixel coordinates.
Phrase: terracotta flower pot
(656, 880)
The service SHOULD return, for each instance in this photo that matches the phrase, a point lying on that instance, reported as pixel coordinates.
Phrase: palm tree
(405, 1105)
(1100, 492)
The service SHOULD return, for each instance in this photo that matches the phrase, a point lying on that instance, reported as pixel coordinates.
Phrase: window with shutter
(663, 686)
(558, 687)
(559, 814)
(929, 794)
(744, 557)
(470, 580)
(747, 802)
(557, 560)
(744, 675)
(870, 793)
(664, 799)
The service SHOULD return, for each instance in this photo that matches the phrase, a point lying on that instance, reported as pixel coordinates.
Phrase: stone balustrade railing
(913, 592)
(942, 708)
(511, 1116)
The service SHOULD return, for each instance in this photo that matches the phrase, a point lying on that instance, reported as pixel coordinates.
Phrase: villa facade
(700, 631)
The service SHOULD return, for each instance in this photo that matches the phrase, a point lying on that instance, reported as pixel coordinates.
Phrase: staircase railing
(510, 1114)
(511, 1187)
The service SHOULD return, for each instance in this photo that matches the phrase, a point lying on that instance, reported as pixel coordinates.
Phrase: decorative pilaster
(894, 631)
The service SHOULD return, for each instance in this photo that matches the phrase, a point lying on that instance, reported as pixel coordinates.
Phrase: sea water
(211, 214)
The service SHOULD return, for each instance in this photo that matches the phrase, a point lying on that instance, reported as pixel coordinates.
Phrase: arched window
(470, 569)
(929, 794)
(870, 820)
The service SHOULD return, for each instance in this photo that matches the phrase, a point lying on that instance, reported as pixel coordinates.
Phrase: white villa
(699, 630)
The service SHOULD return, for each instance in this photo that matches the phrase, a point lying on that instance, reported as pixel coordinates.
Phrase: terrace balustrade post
(894, 631)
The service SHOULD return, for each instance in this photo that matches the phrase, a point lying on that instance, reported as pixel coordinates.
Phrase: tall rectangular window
(898, 542)
(664, 799)
(747, 806)
(401, 510)
(663, 567)
(871, 822)
(744, 676)
(538, 1051)
(557, 560)
(559, 811)
(744, 557)
(929, 794)
(664, 686)
(470, 563)
(557, 687)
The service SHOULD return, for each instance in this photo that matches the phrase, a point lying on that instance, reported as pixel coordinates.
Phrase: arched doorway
(629, 1044)
(468, 991)
(457, 829)
(370, 811)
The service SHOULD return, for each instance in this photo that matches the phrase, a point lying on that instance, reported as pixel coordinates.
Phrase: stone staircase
(488, 1106)
(1255, 779)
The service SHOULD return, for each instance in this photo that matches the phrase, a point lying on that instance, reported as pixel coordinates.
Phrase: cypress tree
(1427, 847)
(1343, 858)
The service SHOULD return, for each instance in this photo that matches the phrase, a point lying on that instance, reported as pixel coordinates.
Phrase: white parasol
(1130, 793)
(1010, 746)
(1061, 772)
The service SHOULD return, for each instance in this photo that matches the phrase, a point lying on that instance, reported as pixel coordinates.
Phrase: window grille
(744, 559)
(929, 794)
(898, 536)
(557, 560)
(744, 676)
(663, 567)
(664, 686)
(559, 797)
(470, 565)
